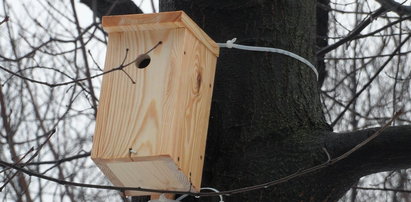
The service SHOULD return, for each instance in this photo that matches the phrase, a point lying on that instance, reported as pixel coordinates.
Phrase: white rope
(214, 190)
(203, 188)
(231, 44)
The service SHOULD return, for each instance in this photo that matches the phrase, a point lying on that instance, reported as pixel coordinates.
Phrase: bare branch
(14, 175)
(297, 174)
(355, 32)
(370, 81)
(31, 158)
(60, 161)
(383, 189)
(6, 19)
(399, 8)
(120, 67)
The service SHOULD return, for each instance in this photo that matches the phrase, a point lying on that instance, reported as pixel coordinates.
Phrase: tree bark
(266, 114)
(323, 9)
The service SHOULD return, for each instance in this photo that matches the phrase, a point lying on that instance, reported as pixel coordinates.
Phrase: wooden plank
(196, 91)
(138, 115)
(164, 170)
(158, 21)
(140, 22)
(167, 175)
(107, 172)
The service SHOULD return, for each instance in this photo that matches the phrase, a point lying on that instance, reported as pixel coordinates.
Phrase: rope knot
(230, 43)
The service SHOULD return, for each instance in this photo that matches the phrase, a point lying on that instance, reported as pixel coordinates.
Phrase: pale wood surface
(158, 21)
(161, 173)
(165, 113)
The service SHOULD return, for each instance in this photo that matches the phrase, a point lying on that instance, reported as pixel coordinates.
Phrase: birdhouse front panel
(154, 106)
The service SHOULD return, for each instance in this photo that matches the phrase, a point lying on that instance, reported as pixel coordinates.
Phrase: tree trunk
(266, 114)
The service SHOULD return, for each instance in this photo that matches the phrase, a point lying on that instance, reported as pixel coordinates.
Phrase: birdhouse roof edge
(158, 21)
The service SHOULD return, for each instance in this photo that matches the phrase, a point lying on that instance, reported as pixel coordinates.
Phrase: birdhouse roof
(158, 21)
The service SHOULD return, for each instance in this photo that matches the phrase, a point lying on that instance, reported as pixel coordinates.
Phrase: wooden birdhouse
(154, 106)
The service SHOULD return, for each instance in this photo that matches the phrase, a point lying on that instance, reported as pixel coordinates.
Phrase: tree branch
(330, 162)
(370, 81)
(31, 158)
(112, 7)
(355, 32)
(75, 81)
(383, 189)
(60, 161)
(386, 5)
(390, 150)
(4, 20)
(399, 8)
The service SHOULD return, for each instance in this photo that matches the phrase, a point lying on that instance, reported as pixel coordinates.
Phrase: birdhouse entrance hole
(143, 61)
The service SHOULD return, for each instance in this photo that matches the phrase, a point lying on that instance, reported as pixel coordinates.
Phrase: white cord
(203, 188)
(215, 190)
(231, 44)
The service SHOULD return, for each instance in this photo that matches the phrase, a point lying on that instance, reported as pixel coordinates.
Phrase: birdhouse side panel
(199, 145)
(103, 120)
(197, 83)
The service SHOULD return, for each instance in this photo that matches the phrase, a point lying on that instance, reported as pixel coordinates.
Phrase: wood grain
(158, 21)
(163, 116)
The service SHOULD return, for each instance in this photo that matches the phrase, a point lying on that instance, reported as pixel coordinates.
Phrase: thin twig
(24, 156)
(94, 61)
(6, 19)
(382, 189)
(60, 161)
(394, 53)
(356, 31)
(30, 159)
(209, 194)
(128, 75)
(17, 172)
(152, 6)
(120, 67)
